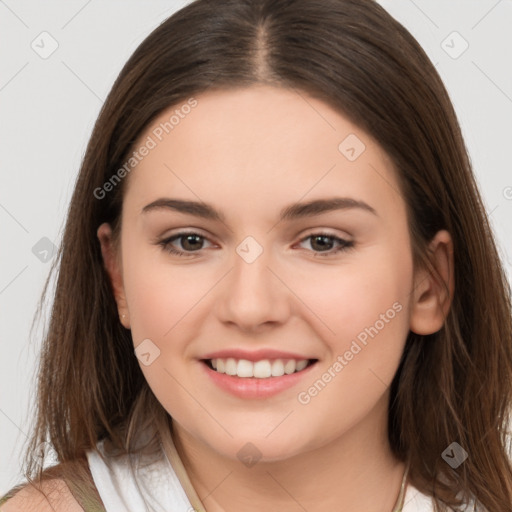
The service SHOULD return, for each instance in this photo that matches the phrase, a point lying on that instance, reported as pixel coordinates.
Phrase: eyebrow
(290, 212)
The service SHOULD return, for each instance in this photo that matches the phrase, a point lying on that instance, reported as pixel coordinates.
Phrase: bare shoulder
(31, 499)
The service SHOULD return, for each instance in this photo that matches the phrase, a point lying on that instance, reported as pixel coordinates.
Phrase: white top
(157, 488)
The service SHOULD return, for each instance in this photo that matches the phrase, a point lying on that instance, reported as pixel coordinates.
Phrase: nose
(253, 295)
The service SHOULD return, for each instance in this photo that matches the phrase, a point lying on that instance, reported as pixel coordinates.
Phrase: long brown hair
(451, 386)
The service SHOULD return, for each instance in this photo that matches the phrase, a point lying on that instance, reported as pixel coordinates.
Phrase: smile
(262, 369)
(258, 379)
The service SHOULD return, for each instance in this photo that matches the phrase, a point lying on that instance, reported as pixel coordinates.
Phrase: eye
(190, 242)
(323, 243)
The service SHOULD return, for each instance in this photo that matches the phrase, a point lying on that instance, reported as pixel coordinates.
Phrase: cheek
(162, 301)
(159, 295)
(352, 297)
(152, 304)
(366, 308)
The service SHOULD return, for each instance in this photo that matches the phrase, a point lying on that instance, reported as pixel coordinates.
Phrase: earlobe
(113, 268)
(434, 287)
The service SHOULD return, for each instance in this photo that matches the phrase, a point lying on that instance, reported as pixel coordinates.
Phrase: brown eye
(324, 243)
(188, 243)
(191, 242)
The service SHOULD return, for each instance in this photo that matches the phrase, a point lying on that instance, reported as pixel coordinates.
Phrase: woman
(277, 285)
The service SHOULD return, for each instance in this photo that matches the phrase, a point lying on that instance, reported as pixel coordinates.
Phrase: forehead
(254, 144)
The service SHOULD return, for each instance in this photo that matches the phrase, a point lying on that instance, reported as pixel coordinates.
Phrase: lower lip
(251, 387)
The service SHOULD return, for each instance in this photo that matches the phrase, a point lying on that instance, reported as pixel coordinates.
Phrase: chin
(255, 448)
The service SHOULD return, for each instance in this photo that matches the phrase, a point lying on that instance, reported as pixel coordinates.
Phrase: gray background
(48, 107)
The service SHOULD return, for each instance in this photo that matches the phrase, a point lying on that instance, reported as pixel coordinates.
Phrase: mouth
(262, 369)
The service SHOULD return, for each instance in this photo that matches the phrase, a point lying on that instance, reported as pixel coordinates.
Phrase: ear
(111, 261)
(433, 288)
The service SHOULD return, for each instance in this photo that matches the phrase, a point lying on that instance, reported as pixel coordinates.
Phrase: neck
(354, 472)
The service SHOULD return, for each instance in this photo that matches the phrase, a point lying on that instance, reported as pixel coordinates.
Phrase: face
(298, 250)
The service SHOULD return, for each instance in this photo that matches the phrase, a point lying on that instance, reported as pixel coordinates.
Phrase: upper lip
(254, 355)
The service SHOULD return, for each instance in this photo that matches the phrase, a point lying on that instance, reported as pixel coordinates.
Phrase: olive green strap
(86, 494)
(80, 484)
(10, 493)
(86, 497)
(399, 505)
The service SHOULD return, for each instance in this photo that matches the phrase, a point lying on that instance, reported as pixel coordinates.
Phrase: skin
(250, 152)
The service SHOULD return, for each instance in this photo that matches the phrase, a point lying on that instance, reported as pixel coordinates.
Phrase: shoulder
(50, 496)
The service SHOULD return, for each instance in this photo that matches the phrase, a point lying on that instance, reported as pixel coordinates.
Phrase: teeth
(259, 369)
(262, 369)
(277, 368)
(230, 367)
(302, 364)
(245, 368)
(290, 366)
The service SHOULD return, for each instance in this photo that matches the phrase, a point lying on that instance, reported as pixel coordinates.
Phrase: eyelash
(344, 244)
